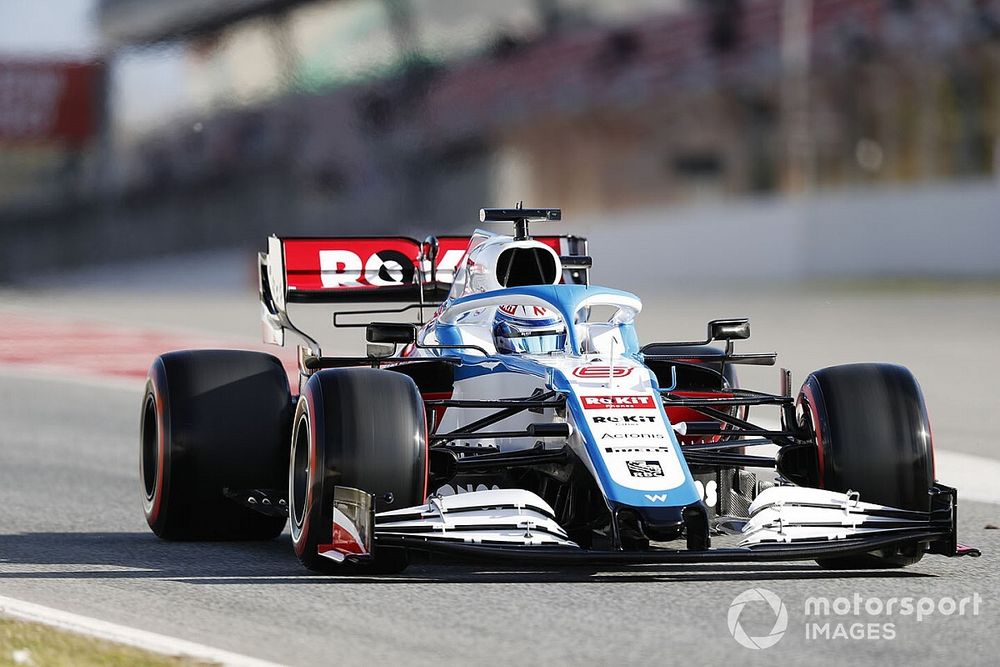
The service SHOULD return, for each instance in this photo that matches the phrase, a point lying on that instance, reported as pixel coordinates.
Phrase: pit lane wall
(943, 230)
(933, 231)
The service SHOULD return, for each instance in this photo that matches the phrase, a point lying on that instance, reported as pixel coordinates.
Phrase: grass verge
(36, 645)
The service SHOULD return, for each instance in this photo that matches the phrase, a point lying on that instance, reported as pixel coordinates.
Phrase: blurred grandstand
(228, 120)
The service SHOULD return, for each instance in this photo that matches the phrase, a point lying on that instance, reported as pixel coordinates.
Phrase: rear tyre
(873, 436)
(360, 428)
(212, 420)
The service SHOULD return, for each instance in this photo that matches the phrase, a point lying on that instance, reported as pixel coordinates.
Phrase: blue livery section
(678, 496)
(568, 300)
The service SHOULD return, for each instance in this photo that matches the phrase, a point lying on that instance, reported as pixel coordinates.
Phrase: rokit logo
(644, 468)
(601, 372)
(312, 264)
(340, 268)
(345, 268)
(618, 402)
(625, 419)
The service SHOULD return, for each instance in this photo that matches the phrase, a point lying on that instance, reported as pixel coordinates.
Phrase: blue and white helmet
(528, 330)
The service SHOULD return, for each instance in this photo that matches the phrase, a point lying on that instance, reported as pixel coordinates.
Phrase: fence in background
(948, 230)
(936, 231)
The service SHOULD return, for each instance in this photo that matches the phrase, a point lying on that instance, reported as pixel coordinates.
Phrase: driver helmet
(519, 329)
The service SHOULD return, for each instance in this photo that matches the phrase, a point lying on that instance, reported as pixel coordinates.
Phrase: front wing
(787, 523)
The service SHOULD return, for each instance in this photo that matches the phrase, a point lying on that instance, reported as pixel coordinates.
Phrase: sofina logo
(756, 595)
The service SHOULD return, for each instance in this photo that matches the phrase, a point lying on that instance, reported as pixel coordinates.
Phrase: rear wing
(373, 269)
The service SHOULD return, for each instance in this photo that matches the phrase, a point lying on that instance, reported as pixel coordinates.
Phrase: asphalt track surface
(72, 535)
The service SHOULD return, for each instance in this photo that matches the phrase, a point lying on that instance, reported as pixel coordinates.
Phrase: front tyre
(212, 420)
(360, 428)
(872, 436)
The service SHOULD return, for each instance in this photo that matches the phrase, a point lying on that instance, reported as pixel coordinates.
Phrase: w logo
(656, 497)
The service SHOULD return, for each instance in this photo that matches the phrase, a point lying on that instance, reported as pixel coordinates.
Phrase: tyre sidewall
(307, 522)
(878, 444)
(222, 422)
(872, 436)
(339, 454)
(154, 506)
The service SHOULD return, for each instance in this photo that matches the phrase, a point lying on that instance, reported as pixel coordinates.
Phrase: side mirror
(731, 329)
(390, 332)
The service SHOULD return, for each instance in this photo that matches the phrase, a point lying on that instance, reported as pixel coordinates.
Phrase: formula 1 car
(521, 420)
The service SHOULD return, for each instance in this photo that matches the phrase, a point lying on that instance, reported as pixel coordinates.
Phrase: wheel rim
(149, 453)
(299, 473)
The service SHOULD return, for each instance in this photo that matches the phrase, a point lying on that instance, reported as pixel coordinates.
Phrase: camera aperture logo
(757, 596)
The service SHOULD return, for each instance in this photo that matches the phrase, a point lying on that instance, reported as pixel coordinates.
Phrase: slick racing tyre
(213, 420)
(872, 436)
(360, 428)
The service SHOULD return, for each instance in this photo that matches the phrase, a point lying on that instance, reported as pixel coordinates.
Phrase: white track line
(975, 477)
(120, 634)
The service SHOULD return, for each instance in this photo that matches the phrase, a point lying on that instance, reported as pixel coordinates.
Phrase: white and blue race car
(522, 420)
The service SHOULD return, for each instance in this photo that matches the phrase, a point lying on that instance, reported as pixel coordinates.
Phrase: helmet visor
(536, 344)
